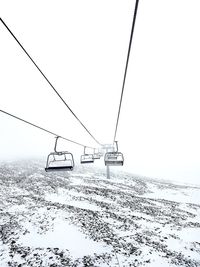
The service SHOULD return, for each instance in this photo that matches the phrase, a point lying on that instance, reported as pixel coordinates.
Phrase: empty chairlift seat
(96, 154)
(61, 161)
(114, 159)
(87, 158)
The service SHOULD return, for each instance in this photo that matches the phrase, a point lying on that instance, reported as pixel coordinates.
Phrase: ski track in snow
(83, 219)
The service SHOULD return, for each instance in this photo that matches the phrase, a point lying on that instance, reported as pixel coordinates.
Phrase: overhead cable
(48, 81)
(126, 67)
(34, 125)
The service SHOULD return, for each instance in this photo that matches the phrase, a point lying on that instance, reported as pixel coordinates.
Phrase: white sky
(81, 46)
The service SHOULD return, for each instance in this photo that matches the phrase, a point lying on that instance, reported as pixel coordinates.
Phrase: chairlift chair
(87, 158)
(59, 161)
(101, 154)
(96, 155)
(114, 158)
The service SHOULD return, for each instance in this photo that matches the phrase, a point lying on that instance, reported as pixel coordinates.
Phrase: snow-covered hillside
(82, 219)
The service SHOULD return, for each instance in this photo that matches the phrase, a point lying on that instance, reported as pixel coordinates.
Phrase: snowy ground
(82, 219)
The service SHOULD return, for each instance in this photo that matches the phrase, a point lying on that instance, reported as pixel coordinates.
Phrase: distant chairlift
(59, 161)
(114, 158)
(96, 155)
(87, 158)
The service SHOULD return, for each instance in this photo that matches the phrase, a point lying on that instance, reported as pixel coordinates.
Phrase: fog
(81, 47)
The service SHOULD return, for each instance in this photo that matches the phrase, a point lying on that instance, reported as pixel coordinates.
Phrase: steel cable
(126, 67)
(48, 81)
(43, 129)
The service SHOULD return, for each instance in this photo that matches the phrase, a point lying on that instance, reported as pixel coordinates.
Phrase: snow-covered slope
(82, 219)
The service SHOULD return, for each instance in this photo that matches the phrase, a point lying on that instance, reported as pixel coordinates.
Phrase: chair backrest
(96, 156)
(61, 161)
(114, 159)
(87, 158)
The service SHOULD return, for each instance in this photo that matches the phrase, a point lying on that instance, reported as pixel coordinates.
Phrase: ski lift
(59, 161)
(87, 158)
(96, 155)
(114, 158)
(100, 154)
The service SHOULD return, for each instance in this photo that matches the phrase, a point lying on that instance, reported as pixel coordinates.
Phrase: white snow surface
(64, 197)
(64, 236)
(189, 195)
(79, 220)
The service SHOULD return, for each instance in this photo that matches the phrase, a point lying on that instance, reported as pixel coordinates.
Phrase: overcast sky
(81, 46)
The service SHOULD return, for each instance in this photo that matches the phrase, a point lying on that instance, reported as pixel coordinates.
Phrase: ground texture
(83, 219)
